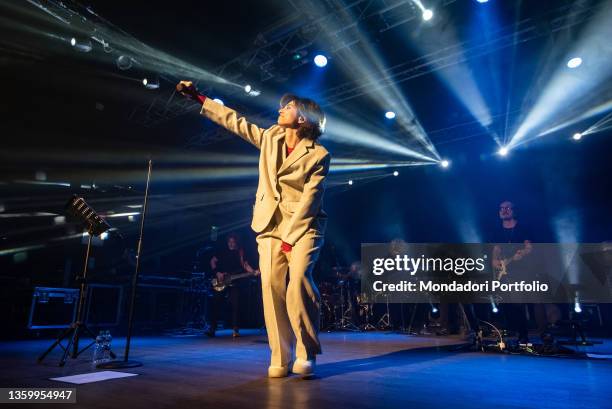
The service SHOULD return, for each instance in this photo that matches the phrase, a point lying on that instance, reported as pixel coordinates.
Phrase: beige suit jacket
(293, 183)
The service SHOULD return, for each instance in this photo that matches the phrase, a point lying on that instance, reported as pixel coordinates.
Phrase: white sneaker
(303, 367)
(278, 371)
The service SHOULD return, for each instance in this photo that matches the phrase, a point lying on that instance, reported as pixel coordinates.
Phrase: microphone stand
(126, 363)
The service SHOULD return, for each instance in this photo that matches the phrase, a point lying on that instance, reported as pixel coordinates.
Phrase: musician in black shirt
(507, 260)
(227, 262)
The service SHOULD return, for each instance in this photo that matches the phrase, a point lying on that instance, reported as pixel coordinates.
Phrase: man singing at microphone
(289, 220)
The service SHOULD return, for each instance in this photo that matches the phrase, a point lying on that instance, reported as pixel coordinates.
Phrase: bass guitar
(220, 285)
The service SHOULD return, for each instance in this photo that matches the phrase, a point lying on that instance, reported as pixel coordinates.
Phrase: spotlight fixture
(350, 182)
(577, 136)
(105, 44)
(78, 209)
(320, 60)
(494, 306)
(83, 46)
(427, 14)
(503, 151)
(389, 114)
(250, 91)
(298, 55)
(574, 62)
(150, 84)
(395, 173)
(445, 163)
(124, 63)
(482, 1)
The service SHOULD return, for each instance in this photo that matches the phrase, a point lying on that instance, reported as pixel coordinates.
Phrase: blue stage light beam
(35, 18)
(566, 224)
(570, 90)
(347, 133)
(363, 64)
(595, 111)
(443, 50)
(366, 167)
(602, 125)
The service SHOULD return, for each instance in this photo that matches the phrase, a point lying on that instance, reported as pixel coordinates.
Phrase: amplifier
(53, 307)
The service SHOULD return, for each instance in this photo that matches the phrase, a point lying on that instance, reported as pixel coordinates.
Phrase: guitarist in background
(507, 258)
(226, 262)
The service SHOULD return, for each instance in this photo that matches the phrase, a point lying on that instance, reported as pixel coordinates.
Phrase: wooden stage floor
(356, 370)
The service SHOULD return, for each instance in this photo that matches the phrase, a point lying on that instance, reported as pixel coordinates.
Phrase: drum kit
(344, 307)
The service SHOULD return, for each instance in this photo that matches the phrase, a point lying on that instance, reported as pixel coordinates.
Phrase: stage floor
(356, 370)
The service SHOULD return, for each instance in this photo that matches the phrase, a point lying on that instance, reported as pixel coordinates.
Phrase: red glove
(286, 247)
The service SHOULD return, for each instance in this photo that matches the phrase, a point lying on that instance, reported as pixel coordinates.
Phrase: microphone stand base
(118, 364)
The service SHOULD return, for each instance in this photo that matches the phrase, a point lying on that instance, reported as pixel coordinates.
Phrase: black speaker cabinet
(53, 307)
(104, 305)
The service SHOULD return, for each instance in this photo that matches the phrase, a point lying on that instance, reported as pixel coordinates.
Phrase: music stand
(95, 225)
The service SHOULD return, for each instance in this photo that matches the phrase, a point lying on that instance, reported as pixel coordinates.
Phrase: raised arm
(230, 120)
(224, 116)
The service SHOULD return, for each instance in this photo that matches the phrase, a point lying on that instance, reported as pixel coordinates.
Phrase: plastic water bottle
(98, 351)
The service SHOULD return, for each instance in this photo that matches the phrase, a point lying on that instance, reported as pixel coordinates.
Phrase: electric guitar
(502, 269)
(220, 285)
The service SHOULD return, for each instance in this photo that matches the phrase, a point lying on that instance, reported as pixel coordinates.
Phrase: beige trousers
(291, 310)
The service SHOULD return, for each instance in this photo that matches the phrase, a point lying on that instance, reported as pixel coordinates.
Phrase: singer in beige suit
(289, 220)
